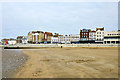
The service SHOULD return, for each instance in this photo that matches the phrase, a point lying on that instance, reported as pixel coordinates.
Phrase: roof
(7, 39)
(37, 32)
(49, 33)
(102, 29)
(92, 31)
(85, 30)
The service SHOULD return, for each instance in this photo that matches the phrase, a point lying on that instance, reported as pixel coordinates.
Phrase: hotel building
(111, 37)
(8, 41)
(68, 39)
(99, 35)
(92, 35)
(84, 34)
(74, 38)
(54, 40)
(36, 37)
(47, 37)
(22, 39)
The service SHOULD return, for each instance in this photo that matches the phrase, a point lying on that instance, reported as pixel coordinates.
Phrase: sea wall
(63, 45)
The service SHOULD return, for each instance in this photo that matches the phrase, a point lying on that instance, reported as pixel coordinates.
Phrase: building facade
(99, 35)
(19, 39)
(36, 37)
(30, 37)
(74, 38)
(84, 34)
(54, 40)
(92, 35)
(8, 41)
(111, 37)
(47, 37)
(4, 41)
(22, 39)
(68, 39)
(12, 41)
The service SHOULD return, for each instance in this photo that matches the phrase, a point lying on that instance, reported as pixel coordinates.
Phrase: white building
(74, 38)
(111, 37)
(92, 35)
(35, 37)
(99, 35)
(54, 40)
(69, 38)
(12, 42)
(24, 40)
(63, 39)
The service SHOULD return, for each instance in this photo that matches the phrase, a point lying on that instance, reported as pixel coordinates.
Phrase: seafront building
(4, 41)
(63, 39)
(8, 41)
(19, 39)
(30, 37)
(36, 37)
(111, 37)
(54, 40)
(86, 36)
(99, 35)
(74, 38)
(47, 37)
(22, 39)
(92, 36)
(69, 39)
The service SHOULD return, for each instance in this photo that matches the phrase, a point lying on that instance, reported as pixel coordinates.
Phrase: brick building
(84, 34)
(47, 37)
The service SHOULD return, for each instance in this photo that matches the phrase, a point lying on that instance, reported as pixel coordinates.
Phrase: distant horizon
(57, 17)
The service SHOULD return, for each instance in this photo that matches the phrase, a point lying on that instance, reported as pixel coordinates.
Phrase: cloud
(63, 17)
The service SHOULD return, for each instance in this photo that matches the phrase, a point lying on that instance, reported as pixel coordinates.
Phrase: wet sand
(12, 60)
(70, 63)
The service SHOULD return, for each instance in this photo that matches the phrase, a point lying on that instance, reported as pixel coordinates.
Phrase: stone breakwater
(11, 61)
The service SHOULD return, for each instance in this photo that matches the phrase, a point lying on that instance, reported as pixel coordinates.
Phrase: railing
(63, 45)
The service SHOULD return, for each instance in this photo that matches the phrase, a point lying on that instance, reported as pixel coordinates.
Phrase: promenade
(59, 45)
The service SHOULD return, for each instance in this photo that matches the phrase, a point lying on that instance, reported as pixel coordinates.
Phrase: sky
(19, 18)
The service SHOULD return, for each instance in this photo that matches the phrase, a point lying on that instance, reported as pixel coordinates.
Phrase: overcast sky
(62, 17)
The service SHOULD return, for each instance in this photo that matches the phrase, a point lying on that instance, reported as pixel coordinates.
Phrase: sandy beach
(69, 63)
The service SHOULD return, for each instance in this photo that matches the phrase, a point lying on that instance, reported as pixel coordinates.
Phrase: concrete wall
(64, 45)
